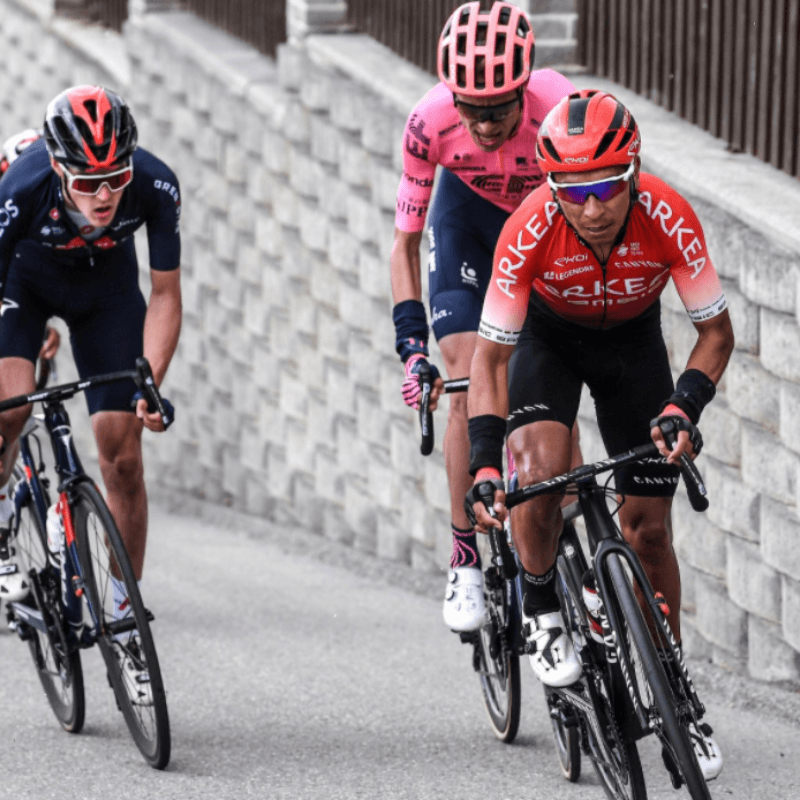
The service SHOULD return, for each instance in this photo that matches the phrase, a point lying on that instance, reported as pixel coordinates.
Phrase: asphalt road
(296, 668)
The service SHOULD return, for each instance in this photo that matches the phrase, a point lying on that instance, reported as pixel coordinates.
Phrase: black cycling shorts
(626, 370)
(101, 304)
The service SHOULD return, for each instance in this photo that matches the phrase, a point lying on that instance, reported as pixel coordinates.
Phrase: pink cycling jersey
(434, 135)
(539, 251)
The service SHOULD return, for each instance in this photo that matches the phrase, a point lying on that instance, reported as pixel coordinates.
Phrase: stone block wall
(285, 381)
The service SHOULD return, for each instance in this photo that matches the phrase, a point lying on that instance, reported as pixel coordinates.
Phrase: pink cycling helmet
(585, 131)
(485, 53)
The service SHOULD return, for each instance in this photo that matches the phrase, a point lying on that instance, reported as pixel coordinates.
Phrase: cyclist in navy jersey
(69, 206)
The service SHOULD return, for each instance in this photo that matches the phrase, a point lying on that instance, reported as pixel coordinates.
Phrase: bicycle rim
(496, 665)
(614, 758)
(654, 690)
(58, 664)
(102, 553)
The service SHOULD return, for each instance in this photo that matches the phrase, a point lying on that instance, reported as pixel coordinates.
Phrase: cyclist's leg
(22, 321)
(463, 230)
(544, 394)
(108, 338)
(119, 445)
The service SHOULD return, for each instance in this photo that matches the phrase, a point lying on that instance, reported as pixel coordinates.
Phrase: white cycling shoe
(707, 751)
(464, 607)
(13, 584)
(551, 652)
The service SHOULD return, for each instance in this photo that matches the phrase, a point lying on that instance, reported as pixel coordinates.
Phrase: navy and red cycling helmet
(88, 128)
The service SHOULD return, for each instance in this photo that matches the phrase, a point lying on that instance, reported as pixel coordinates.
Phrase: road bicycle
(635, 682)
(70, 604)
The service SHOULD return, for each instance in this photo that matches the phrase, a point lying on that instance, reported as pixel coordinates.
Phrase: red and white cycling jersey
(434, 135)
(539, 251)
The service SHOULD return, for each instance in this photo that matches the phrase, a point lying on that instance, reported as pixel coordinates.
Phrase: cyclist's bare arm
(405, 265)
(162, 326)
(407, 282)
(710, 355)
(488, 394)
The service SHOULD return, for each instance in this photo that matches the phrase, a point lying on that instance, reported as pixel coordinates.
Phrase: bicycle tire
(58, 663)
(621, 775)
(99, 546)
(654, 685)
(493, 658)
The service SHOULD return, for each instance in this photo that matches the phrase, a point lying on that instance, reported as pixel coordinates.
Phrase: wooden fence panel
(730, 66)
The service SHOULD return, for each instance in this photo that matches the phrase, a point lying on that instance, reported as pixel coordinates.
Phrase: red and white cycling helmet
(89, 127)
(485, 53)
(585, 131)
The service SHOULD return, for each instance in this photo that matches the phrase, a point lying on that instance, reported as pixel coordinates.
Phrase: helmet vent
(461, 44)
(547, 143)
(91, 109)
(605, 143)
(505, 15)
(480, 34)
(500, 44)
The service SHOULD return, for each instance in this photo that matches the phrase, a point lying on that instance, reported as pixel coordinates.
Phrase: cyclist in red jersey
(479, 124)
(574, 298)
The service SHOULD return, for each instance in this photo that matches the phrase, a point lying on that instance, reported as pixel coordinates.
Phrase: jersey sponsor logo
(72, 244)
(105, 243)
(717, 307)
(123, 222)
(8, 212)
(468, 275)
(495, 334)
(166, 186)
(633, 248)
(489, 183)
(640, 264)
(417, 127)
(423, 182)
(437, 315)
(52, 230)
(523, 184)
(562, 276)
(411, 209)
(55, 213)
(566, 260)
(617, 290)
(7, 304)
(527, 238)
(688, 241)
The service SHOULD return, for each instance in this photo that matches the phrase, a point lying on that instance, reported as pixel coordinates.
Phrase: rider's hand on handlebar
(412, 391)
(52, 341)
(151, 419)
(488, 482)
(688, 439)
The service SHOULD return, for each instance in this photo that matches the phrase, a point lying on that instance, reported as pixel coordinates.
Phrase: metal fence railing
(410, 28)
(108, 13)
(731, 67)
(261, 23)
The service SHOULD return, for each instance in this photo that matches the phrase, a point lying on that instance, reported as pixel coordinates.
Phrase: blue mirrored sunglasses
(604, 190)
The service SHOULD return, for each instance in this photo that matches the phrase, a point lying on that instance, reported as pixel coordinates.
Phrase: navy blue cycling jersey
(32, 210)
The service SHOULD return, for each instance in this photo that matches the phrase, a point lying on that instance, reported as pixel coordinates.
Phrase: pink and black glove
(412, 391)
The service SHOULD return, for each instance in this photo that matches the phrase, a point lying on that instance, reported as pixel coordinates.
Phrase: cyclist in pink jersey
(574, 298)
(479, 123)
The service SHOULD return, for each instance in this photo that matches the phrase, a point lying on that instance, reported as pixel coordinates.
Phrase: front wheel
(127, 643)
(652, 691)
(57, 660)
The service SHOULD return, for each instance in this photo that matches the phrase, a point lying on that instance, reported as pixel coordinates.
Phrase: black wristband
(487, 435)
(411, 328)
(693, 392)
